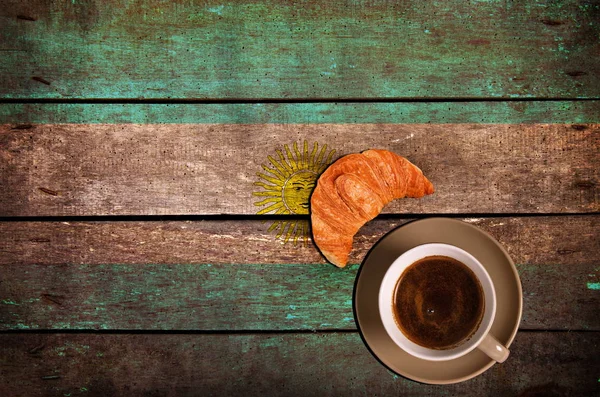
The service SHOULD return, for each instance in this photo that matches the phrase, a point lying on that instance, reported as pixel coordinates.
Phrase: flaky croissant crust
(354, 190)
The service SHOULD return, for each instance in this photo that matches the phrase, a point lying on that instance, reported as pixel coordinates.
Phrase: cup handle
(494, 349)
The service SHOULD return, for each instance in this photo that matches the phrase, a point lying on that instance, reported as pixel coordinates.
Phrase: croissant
(354, 190)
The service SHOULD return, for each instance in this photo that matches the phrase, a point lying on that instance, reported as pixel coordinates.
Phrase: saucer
(478, 243)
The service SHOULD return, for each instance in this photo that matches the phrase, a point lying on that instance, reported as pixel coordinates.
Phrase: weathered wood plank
(53, 276)
(281, 49)
(245, 297)
(548, 364)
(513, 112)
(74, 169)
(567, 240)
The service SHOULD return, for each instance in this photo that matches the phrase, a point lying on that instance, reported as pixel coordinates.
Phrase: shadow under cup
(480, 338)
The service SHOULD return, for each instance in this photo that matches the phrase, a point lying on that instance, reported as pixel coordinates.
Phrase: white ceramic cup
(481, 338)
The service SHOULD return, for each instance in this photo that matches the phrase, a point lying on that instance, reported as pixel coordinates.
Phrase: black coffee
(438, 302)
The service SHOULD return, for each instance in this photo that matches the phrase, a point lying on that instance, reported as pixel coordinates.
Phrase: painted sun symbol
(286, 187)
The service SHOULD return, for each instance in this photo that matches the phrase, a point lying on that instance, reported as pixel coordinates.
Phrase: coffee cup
(406, 317)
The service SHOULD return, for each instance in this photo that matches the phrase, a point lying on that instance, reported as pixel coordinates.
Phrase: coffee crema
(438, 302)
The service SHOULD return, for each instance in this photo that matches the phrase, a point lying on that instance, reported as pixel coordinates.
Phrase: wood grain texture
(245, 297)
(513, 112)
(125, 169)
(330, 364)
(567, 240)
(284, 49)
(228, 276)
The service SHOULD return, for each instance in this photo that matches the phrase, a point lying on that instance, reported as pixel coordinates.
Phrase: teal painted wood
(278, 49)
(305, 113)
(234, 297)
(321, 364)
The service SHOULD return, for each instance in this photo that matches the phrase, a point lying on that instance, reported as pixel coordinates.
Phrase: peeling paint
(410, 136)
(473, 220)
(216, 10)
(594, 286)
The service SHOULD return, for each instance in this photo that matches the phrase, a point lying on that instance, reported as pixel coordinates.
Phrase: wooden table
(137, 256)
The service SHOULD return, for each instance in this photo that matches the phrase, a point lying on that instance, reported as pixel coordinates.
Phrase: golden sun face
(286, 187)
